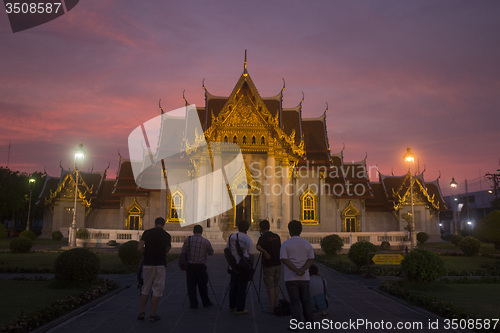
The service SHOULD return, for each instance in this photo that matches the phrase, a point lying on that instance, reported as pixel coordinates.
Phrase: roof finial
(184, 98)
(119, 154)
(245, 73)
(326, 110)
(159, 105)
(283, 89)
(203, 84)
(302, 100)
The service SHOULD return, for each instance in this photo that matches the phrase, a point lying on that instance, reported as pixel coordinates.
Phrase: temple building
(290, 173)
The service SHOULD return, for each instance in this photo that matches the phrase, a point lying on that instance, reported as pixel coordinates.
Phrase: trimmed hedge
(28, 234)
(128, 253)
(57, 235)
(332, 244)
(456, 239)
(422, 266)
(77, 266)
(422, 237)
(357, 252)
(83, 234)
(470, 246)
(20, 245)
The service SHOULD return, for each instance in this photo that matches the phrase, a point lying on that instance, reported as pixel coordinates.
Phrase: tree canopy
(488, 228)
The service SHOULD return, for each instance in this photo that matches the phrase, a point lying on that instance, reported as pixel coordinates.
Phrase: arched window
(262, 140)
(225, 138)
(235, 139)
(133, 217)
(253, 139)
(244, 139)
(350, 219)
(176, 206)
(309, 207)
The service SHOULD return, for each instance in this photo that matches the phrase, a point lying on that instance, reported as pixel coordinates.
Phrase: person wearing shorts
(269, 245)
(154, 244)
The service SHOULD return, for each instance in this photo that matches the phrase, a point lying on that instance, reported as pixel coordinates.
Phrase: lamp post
(79, 154)
(31, 182)
(453, 185)
(470, 227)
(410, 158)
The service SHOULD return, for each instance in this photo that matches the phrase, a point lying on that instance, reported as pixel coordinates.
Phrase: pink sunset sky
(424, 74)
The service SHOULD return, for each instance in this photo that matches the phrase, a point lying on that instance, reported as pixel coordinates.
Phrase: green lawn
(477, 298)
(4, 243)
(24, 297)
(462, 263)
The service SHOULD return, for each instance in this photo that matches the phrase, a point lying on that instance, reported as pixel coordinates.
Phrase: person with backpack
(241, 248)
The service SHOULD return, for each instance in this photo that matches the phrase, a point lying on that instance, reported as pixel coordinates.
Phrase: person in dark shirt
(269, 245)
(154, 244)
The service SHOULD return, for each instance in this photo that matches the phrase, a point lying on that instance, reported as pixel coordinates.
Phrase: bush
(422, 237)
(3, 231)
(488, 228)
(357, 252)
(422, 266)
(28, 234)
(83, 234)
(77, 266)
(128, 253)
(456, 239)
(20, 245)
(385, 245)
(470, 246)
(332, 244)
(57, 235)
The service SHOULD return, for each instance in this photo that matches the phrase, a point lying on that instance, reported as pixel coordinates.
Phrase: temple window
(350, 219)
(133, 217)
(176, 207)
(235, 139)
(253, 139)
(244, 139)
(309, 207)
(262, 140)
(225, 138)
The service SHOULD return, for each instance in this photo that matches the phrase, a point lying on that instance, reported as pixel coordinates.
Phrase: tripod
(211, 287)
(247, 289)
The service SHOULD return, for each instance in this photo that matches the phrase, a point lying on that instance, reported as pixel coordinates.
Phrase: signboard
(387, 259)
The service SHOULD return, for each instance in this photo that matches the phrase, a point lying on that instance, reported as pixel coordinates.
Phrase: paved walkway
(352, 299)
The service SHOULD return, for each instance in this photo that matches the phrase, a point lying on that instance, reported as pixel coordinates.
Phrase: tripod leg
(255, 288)
(213, 291)
(225, 294)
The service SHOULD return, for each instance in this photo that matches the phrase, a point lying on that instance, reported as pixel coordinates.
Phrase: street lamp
(453, 185)
(410, 159)
(31, 183)
(470, 227)
(79, 154)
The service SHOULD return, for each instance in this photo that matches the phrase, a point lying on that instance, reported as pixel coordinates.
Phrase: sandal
(154, 318)
(141, 316)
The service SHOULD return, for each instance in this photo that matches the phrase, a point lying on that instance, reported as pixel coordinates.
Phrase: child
(317, 289)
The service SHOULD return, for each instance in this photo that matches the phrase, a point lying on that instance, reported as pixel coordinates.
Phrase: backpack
(231, 260)
(283, 308)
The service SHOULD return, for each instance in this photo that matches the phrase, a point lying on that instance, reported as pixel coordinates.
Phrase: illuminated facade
(290, 174)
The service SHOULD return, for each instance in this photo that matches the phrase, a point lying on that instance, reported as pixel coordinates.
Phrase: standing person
(239, 280)
(297, 255)
(269, 245)
(154, 244)
(197, 249)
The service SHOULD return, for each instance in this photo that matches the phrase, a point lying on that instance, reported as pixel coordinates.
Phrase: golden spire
(245, 73)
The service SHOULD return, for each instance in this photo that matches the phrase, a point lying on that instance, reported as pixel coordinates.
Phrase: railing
(395, 238)
(122, 236)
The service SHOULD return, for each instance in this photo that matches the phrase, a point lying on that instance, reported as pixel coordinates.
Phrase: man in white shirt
(239, 280)
(297, 255)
